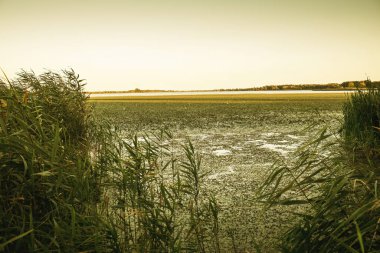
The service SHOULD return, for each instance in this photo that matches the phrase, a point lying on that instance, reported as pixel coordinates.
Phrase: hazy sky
(206, 44)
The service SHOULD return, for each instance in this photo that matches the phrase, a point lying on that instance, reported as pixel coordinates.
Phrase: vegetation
(72, 181)
(47, 191)
(361, 126)
(348, 85)
(336, 180)
(152, 202)
(70, 184)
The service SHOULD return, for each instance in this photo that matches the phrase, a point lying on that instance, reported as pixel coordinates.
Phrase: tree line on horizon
(347, 85)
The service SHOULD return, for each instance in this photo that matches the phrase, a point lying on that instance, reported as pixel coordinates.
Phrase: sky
(198, 44)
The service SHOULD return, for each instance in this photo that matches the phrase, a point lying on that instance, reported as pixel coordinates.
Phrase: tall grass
(361, 126)
(153, 202)
(43, 164)
(70, 183)
(333, 188)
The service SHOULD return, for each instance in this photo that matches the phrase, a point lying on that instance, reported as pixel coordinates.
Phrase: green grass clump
(361, 126)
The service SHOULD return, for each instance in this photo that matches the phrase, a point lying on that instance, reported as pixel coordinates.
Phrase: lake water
(178, 93)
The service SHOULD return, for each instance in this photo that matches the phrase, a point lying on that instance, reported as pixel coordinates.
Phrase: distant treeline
(330, 86)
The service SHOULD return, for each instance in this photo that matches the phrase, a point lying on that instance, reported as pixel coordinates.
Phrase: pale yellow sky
(121, 45)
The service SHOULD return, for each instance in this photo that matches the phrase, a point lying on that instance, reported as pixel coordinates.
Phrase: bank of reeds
(47, 194)
(333, 183)
(361, 126)
(70, 183)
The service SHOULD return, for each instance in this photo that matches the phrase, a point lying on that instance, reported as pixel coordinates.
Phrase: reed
(72, 183)
(361, 126)
(46, 191)
(332, 182)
